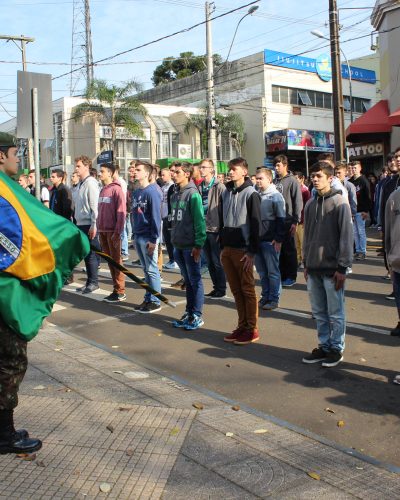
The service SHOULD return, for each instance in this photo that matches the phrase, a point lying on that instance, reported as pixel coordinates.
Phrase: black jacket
(61, 201)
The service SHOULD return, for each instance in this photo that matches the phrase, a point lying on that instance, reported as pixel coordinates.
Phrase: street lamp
(318, 34)
(211, 127)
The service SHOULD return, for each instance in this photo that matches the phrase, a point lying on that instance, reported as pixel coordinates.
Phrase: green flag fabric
(38, 251)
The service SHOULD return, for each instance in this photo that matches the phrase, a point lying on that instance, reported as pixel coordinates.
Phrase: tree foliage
(230, 124)
(175, 68)
(114, 106)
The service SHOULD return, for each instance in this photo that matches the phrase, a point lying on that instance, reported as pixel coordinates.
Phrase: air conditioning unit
(184, 151)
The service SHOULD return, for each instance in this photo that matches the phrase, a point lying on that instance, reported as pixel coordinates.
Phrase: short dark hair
(109, 166)
(58, 172)
(149, 167)
(281, 159)
(322, 166)
(186, 167)
(238, 162)
(389, 157)
(299, 174)
(325, 156)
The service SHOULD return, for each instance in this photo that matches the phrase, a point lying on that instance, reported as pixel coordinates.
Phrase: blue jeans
(360, 238)
(212, 251)
(327, 305)
(190, 270)
(91, 259)
(150, 268)
(267, 265)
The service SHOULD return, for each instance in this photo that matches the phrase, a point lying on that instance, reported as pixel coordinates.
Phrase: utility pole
(211, 125)
(24, 40)
(89, 53)
(337, 92)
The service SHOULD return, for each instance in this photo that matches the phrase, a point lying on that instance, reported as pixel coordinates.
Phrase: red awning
(373, 121)
(394, 118)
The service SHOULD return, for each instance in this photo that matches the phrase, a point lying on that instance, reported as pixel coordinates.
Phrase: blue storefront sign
(320, 66)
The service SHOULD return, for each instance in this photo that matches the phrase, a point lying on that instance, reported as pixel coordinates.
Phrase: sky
(120, 25)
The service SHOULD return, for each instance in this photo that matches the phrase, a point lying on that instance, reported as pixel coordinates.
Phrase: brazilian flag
(38, 251)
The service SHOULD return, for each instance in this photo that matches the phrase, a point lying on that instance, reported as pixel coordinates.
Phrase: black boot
(396, 331)
(12, 441)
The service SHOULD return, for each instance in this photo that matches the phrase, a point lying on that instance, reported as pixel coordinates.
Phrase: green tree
(115, 106)
(175, 68)
(230, 125)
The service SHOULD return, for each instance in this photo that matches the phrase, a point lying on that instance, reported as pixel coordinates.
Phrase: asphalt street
(354, 404)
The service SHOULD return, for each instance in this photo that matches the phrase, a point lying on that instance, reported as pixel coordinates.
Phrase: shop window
(327, 101)
(144, 150)
(366, 104)
(275, 93)
(284, 95)
(319, 99)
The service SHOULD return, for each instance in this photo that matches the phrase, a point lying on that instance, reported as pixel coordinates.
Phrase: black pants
(167, 239)
(288, 258)
(13, 365)
(212, 252)
(91, 260)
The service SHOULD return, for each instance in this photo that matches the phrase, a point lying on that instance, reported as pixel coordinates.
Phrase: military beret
(7, 140)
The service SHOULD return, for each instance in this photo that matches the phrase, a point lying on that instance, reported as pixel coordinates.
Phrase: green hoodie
(188, 226)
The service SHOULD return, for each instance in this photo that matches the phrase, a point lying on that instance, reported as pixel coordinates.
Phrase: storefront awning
(374, 121)
(394, 118)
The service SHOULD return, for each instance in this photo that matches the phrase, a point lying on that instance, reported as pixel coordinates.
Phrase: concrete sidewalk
(109, 424)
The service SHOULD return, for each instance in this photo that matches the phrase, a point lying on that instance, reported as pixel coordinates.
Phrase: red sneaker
(247, 337)
(234, 335)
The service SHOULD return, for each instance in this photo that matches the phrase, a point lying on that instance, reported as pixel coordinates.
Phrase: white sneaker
(171, 265)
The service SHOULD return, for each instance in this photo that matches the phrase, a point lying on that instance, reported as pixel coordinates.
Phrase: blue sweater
(146, 212)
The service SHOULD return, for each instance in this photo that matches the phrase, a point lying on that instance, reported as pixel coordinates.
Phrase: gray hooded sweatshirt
(328, 234)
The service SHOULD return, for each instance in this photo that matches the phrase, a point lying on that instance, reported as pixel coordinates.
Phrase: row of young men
(244, 228)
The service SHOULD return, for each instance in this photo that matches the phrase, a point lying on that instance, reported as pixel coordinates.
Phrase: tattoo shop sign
(365, 150)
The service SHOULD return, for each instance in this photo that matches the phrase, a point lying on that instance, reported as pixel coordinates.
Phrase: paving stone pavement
(105, 419)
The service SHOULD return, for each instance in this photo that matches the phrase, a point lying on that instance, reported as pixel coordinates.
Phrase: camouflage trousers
(13, 365)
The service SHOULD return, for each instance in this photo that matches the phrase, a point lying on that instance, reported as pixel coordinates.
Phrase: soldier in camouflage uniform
(13, 355)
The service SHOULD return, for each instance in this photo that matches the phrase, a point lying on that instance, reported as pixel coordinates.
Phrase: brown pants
(242, 286)
(108, 246)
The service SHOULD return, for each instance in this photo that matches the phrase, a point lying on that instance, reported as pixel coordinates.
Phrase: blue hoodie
(146, 212)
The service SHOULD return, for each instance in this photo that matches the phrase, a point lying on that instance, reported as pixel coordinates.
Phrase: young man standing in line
(110, 225)
(60, 196)
(13, 348)
(146, 213)
(271, 237)
(188, 234)
(289, 188)
(239, 239)
(167, 183)
(328, 252)
(298, 237)
(210, 191)
(86, 203)
(363, 207)
(44, 192)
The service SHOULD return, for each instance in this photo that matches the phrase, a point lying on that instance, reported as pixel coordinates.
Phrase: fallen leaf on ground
(158, 334)
(117, 371)
(129, 452)
(136, 375)
(58, 350)
(110, 428)
(105, 487)
(329, 410)
(121, 408)
(28, 457)
(235, 408)
(360, 468)
(39, 388)
(314, 475)
(340, 423)
(198, 406)
(229, 434)
(260, 431)
(174, 431)
(114, 346)
(363, 360)
(40, 463)
(228, 365)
